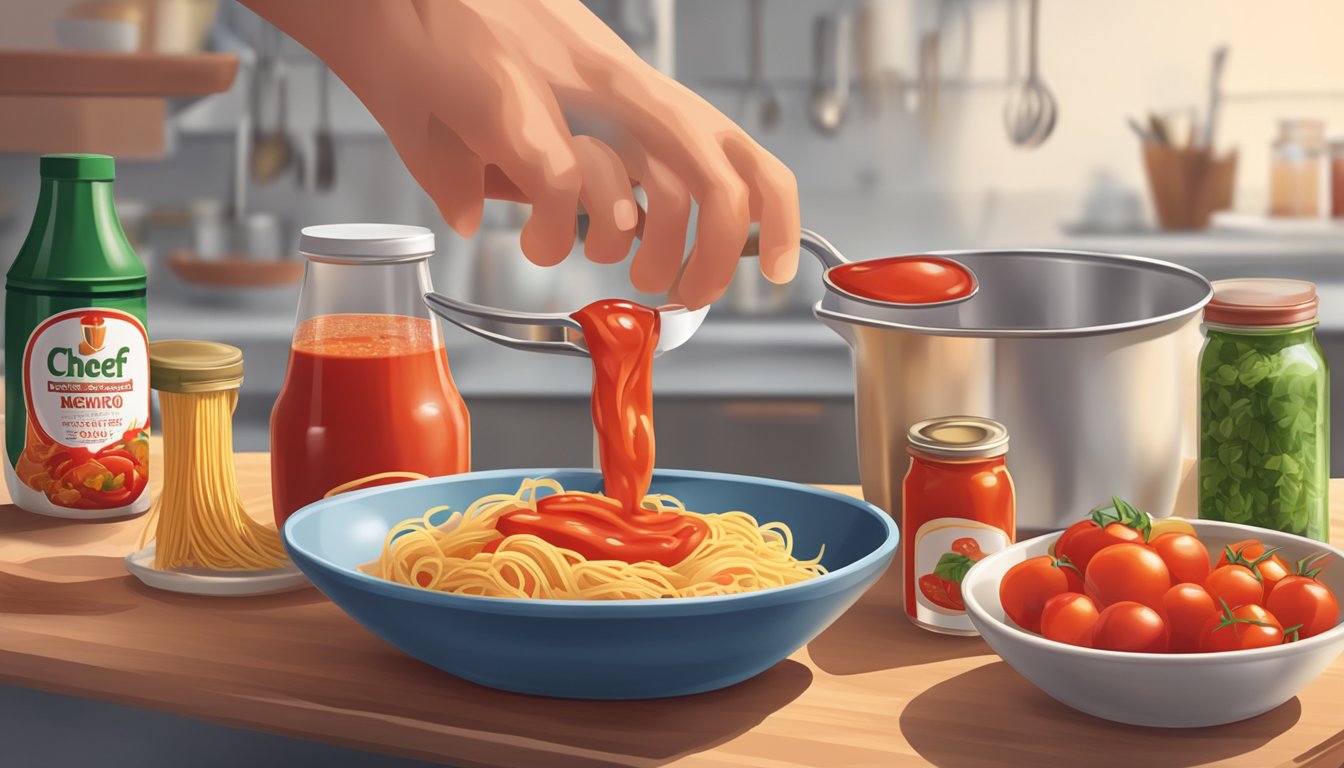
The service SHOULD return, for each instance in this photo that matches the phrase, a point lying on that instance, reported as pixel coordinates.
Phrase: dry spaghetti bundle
(198, 520)
(446, 551)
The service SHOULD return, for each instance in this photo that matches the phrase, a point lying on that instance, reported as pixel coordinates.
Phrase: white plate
(203, 581)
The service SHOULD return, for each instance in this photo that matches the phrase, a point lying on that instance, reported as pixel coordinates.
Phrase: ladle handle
(464, 312)
(826, 253)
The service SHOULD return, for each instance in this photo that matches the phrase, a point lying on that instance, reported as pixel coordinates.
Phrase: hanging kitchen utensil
(1215, 97)
(760, 105)
(554, 332)
(1031, 110)
(324, 174)
(272, 153)
(830, 51)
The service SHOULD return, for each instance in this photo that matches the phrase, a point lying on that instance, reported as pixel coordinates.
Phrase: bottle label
(945, 549)
(86, 387)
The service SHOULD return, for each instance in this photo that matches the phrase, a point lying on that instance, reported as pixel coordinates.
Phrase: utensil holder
(1188, 184)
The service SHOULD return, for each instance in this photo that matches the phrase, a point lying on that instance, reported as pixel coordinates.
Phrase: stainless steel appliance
(1088, 359)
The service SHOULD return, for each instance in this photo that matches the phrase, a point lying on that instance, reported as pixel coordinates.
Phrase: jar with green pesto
(1264, 438)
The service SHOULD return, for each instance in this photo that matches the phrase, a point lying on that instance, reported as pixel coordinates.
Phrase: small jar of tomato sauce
(957, 506)
(368, 398)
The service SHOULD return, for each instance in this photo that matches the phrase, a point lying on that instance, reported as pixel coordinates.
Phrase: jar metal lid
(366, 243)
(1262, 302)
(959, 437)
(186, 366)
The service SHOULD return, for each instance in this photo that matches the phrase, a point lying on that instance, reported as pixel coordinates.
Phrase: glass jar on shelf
(1336, 153)
(1264, 408)
(1299, 184)
(368, 398)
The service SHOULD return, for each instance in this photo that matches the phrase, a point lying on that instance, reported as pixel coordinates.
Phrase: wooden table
(871, 691)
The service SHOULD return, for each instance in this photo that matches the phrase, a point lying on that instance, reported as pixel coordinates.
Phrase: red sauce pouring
(904, 279)
(621, 337)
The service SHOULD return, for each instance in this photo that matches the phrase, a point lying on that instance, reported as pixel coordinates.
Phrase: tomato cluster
(1120, 581)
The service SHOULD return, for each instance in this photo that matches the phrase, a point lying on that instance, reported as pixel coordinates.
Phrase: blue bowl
(597, 649)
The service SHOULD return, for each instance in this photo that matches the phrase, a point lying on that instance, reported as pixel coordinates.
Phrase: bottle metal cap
(78, 167)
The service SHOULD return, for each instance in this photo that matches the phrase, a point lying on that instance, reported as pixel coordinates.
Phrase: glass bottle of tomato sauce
(368, 398)
(957, 505)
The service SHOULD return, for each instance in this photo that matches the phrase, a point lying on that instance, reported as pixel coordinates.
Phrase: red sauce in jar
(364, 394)
(621, 337)
(957, 505)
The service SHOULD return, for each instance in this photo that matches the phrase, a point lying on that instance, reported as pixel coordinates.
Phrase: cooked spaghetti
(624, 543)
(199, 520)
(449, 551)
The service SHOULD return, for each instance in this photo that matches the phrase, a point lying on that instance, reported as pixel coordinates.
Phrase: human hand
(474, 95)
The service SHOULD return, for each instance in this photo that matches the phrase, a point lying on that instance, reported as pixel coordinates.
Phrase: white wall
(886, 184)
(883, 183)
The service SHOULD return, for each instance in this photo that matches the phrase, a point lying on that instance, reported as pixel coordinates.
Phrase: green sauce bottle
(76, 353)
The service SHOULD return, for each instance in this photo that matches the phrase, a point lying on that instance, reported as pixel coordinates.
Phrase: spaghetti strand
(447, 553)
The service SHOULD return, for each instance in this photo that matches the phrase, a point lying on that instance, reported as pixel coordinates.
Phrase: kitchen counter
(871, 690)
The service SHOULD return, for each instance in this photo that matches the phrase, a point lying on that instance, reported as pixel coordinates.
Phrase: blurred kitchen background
(890, 112)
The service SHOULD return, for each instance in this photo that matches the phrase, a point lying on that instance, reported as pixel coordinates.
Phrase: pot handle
(825, 252)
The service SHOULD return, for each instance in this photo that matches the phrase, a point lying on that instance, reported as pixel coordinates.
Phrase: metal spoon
(761, 102)
(1031, 110)
(554, 332)
(830, 41)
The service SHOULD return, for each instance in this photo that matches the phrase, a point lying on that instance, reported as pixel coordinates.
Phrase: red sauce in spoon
(904, 279)
(621, 337)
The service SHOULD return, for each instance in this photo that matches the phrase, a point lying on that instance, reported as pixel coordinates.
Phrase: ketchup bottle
(76, 353)
(368, 398)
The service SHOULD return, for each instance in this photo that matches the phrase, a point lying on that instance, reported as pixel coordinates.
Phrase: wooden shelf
(91, 73)
(871, 690)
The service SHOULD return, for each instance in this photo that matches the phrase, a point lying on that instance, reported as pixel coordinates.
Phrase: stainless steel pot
(1088, 358)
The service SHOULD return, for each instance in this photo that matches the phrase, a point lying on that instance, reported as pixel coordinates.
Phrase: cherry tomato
(1267, 566)
(1237, 629)
(1185, 556)
(1084, 539)
(1234, 585)
(1127, 572)
(1130, 626)
(1027, 585)
(1068, 618)
(1186, 607)
(1305, 603)
(968, 547)
(941, 592)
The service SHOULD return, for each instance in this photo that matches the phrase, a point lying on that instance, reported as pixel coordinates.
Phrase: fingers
(521, 131)
(774, 195)
(720, 232)
(662, 247)
(607, 197)
(454, 178)
(500, 187)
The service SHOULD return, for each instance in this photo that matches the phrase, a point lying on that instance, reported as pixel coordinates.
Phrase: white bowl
(98, 35)
(1177, 690)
